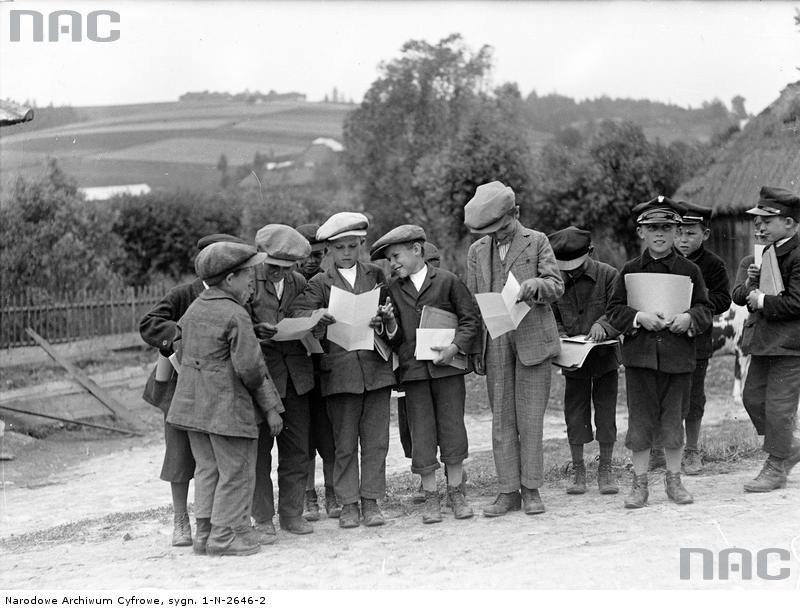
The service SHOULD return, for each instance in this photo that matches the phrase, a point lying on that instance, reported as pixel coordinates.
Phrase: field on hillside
(170, 145)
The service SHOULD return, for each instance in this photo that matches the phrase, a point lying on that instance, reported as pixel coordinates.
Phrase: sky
(679, 52)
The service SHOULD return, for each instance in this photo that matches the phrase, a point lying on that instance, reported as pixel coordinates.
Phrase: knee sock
(429, 481)
(180, 494)
(641, 461)
(577, 454)
(455, 474)
(674, 457)
(692, 433)
(606, 451)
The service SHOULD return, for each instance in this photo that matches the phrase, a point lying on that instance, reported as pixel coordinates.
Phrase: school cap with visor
(776, 201)
(485, 212)
(571, 247)
(282, 244)
(659, 210)
(343, 224)
(217, 260)
(399, 235)
(694, 214)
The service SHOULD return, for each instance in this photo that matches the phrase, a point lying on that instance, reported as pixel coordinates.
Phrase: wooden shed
(765, 152)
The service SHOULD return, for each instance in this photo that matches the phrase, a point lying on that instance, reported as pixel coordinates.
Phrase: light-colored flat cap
(485, 211)
(399, 235)
(282, 244)
(343, 224)
(221, 258)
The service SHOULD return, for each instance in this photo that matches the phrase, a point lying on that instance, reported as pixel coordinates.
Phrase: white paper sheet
(574, 351)
(353, 313)
(293, 329)
(758, 251)
(500, 312)
(663, 293)
(432, 337)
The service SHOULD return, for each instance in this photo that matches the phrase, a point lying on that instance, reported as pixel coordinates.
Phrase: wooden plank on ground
(117, 408)
(72, 421)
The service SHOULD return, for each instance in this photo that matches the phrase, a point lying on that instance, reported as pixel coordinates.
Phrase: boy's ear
(706, 233)
(640, 232)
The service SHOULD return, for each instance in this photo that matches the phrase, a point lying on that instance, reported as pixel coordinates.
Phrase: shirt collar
(668, 260)
(694, 256)
(419, 277)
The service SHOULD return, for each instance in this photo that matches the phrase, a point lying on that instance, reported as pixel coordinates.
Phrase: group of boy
(238, 388)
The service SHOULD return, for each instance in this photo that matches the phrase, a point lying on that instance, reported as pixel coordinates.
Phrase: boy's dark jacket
(715, 275)
(659, 350)
(441, 289)
(775, 330)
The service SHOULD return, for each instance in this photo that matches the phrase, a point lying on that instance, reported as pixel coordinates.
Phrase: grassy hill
(171, 145)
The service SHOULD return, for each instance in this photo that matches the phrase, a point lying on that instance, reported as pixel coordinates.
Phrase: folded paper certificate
(353, 313)
(501, 313)
(663, 293)
(293, 329)
(574, 351)
(758, 251)
(434, 318)
(770, 282)
(432, 337)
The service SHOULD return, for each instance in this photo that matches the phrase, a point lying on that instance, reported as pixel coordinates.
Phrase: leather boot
(637, 498)
(181, 530)
(658, 459)
(675, 489)
(458, 500)
(371, 512)
(349, 516)
(692, 462)
(418, 497)
(202, 530)
(332, 507)
(772, 476)
(226, 541)
(295, 525)
(265, 533)
(432, 511)
(579, 483)
(503, 503)
(531, 501)
(310, 506)
(606, 482)
(794, 457)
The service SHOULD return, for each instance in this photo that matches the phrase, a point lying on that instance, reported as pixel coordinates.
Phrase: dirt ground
(81, 510)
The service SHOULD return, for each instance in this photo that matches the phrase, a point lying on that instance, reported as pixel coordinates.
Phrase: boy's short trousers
(178, 466)
(655, 403)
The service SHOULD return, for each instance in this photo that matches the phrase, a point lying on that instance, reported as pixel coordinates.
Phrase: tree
(737, 107)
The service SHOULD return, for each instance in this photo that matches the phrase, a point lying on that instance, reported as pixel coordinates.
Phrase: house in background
(12, 113)
(103, 193)
(765, 152)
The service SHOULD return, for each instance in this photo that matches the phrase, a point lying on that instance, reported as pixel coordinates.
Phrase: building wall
(732, 239)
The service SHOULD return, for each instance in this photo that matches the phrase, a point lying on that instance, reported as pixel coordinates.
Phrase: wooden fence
(65, 317)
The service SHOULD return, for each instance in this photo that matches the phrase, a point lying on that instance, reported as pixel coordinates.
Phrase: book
(574, 351)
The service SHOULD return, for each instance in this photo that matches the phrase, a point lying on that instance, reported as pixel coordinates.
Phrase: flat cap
(485, 211)
(776, 201)
(657, 211)
(571, 247)
(694, 214)
(217, 260)
(282, 244)
(343, 224)
(207, 240)
(309, 231)
(430, 253)
(399, 235)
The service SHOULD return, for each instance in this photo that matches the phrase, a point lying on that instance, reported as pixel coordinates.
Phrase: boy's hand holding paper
(503, 312)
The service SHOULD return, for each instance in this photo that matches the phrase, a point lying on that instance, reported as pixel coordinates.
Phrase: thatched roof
(766, 152)
(11, 113)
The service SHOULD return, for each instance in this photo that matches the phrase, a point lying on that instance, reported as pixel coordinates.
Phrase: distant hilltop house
(12, 113)
(250, 97)
(297, 170)
(103, 193)
(765, 152)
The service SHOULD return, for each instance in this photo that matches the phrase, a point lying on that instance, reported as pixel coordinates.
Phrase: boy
(692, 233)
(772, 338)
(292, 371)
(434, 390)
(355, 384)
(588, 285)
(321, 434)
(658, 351)
(158, 329)
(223, 391)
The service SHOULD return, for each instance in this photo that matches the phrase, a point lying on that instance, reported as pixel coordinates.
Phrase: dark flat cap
(694, 214)
(571, 247)
(282, 244)
(309, 231)
(399, 235)
(485, 211)
(343, 224)
(776, 201)
(207, 240)
(658, 210)
(217, 260)
(430, 252)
